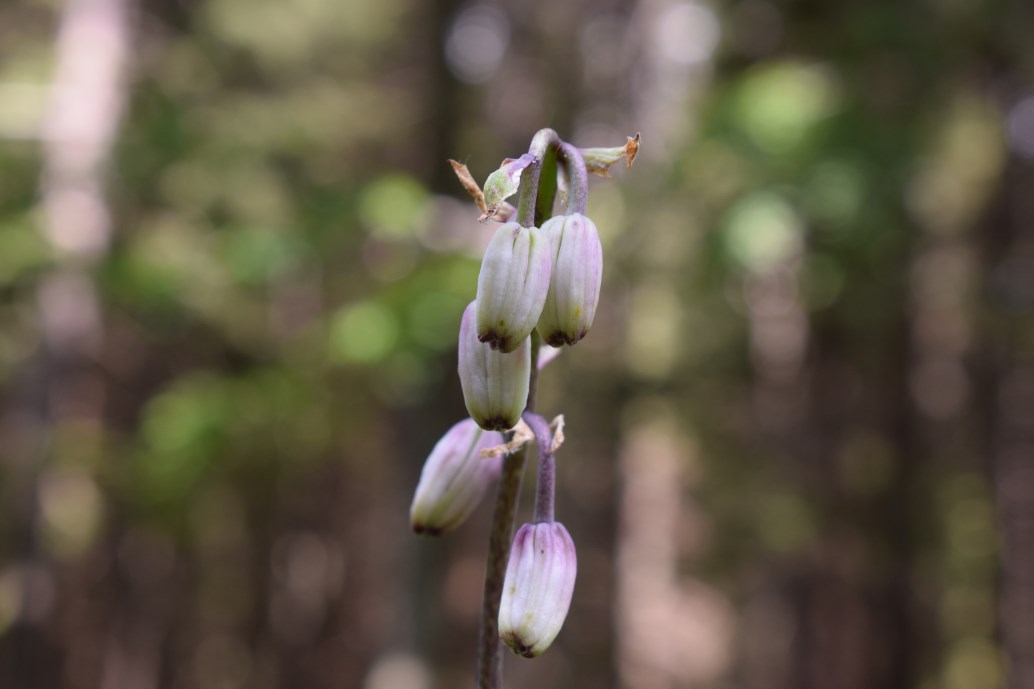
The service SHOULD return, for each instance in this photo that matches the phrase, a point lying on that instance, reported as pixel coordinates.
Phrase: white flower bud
(538, 587)
(512, 286)
(454, 478)
(495, 384)
(574, 283)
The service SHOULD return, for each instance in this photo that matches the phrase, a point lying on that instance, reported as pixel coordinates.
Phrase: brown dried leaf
(467, 180)
(632, 149)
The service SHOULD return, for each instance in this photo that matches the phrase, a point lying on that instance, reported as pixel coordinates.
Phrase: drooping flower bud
(512, 286)
(495, 384)
(537, 588)
(574, 283)
(454, 479)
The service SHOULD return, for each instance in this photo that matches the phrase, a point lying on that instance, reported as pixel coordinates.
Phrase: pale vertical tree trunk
(61, 385)
(1008, 367)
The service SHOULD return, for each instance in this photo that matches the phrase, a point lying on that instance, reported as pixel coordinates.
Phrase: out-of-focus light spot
(22, 249)
(778, 330)
(762, 231)
(398, 671)
(255, 255)
(835, 192)
(69, 311)
(1019, 124)
(785, 522)
(71, 508)
(687, 33)
(391, 206)
(973, 664)
(779, 105)
(78, 221)
(308, 570)
(961, 167)
(971, 530)
(476, 43)
(967, 610)
(23, 111)
(654, 324)
(363, 333)
(26, 592)
(434, 319)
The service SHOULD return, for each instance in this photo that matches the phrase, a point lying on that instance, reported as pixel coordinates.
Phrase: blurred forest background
(233, 260)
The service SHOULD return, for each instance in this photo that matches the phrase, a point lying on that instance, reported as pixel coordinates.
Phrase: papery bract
(538, 587)
(512, 285)
(575, 278)
(495, 384)
(455, 478)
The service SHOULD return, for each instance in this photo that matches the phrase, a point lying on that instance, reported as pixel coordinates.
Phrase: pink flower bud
(574, 284)
(454, 478)
(538, 587)
(495, 384)
(512, 286)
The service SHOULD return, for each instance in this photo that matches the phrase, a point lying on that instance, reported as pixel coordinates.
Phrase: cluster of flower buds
(545, 279)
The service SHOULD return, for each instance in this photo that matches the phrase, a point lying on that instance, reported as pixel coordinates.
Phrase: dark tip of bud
(518, 646)
(500, 343)
(422, 530)
(559, 339)
(497, 423)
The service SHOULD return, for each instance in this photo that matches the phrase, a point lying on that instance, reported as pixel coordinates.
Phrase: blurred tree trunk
(62, 389)
(1007, 368)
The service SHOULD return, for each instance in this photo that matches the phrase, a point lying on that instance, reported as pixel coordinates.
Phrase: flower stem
(545, 488)
(490, 662)
(578, 178)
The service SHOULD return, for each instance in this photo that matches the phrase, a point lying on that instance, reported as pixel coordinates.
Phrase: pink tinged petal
(538, 587)
(495, 384)
(574, 287)
(454, 478)
(512, 285)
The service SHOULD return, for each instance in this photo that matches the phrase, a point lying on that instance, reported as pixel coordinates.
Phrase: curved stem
(527, 193)
(545, 489)
(578, 178)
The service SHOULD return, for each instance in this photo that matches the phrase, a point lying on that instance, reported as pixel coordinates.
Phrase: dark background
(233, 260)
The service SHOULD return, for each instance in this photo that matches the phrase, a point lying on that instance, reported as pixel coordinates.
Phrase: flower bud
(512, 286)
(574, 283)
(454, 478)
(537, 588)
(495, 385)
